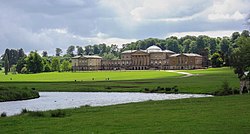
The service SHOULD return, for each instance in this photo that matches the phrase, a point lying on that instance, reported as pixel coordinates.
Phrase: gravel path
(185, 73)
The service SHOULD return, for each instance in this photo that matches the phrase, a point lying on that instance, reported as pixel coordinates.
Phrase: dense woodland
(217, 50)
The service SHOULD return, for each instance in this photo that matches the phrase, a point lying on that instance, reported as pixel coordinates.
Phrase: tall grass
(14, 93)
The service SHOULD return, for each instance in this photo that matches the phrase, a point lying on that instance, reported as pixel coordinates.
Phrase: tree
(216, 60)
(58, 51)
(89, 50)
(240, 61)
(20, 64)
(186, 44)
(173, 45)
(55, 64)
(6, 64)
(245, 33)
(225, 49)
(193, 47)
(213, 46)
(45, 54)
(80, 51)
(13, 56)
(65, 66)
(71, 50)
(235, 36)
(109, 56)
(34, 63)
(46, 65)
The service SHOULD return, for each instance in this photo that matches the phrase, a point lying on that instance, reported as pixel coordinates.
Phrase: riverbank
(14, 94)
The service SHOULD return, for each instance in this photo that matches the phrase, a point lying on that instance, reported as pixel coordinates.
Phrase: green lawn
(228, 114)
(85, 76)
(207, 81)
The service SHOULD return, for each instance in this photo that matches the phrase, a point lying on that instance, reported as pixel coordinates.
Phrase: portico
(140, 60)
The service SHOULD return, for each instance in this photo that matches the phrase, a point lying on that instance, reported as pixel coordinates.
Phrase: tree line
(218, 52)
(15, 62)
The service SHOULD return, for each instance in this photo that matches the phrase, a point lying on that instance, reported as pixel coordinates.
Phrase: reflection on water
(60, 100)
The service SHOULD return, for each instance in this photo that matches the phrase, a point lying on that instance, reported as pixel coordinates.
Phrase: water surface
(62, 100)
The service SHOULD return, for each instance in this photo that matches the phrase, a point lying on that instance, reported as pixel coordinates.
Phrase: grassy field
(207, 81)
(227, 114)
(86, 76)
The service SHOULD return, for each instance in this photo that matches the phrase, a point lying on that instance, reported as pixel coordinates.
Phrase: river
(62, 100)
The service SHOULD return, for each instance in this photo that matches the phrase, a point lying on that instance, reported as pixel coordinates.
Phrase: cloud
(161, 9)
(223, 10)
(236, 16)
(47, 24)
(208, 33)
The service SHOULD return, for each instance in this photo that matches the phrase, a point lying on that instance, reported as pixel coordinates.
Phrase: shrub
(108, 88)
(36, 113)
(3, 114)
(86, 106)
(158, 88)
(167, 89)
(226, 90)
(24, 111)
(58, 113)
(146, 89)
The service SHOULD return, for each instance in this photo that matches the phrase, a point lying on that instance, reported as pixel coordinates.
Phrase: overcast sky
(48, 24)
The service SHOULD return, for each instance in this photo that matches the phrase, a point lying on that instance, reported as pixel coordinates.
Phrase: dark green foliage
(58, 113)
(11, 57)
(240, 60)
(55, 64)
(36, 113)
(160, 89)
(70, 50)
(65, 66)
(146, 89)
(34, 63)
(21, 63)
(58, 51)
(3, 114)
(24, 111)
(226, 90)
(6, 64)
(45, 54)
(14, 93)
(80, 51)
(216, 60)
(108, 88)
(245, 33)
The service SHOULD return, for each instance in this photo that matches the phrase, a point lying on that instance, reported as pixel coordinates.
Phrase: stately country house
(151, 58)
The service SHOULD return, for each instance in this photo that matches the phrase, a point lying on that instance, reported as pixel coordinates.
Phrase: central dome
(154, 49)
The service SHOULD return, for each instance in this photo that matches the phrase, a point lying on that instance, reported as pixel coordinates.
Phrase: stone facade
(151, 58)
(81, 63)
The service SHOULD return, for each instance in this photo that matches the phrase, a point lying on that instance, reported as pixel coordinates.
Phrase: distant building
(151, 58)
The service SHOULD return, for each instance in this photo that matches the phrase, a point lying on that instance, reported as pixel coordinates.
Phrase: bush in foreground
(36, 113)
(58, 113)
(226, 90)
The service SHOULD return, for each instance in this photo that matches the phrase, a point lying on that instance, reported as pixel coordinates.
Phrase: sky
(49, 24)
